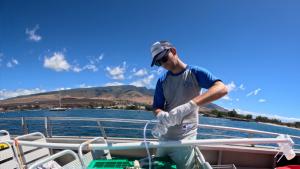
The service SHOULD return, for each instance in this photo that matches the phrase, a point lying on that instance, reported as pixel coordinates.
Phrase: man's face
(170, 62)
(163, 59)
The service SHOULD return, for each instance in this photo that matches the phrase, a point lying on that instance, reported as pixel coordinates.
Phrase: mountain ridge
(89, 97)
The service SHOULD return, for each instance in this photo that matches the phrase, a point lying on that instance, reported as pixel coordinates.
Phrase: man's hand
(163, 117)
(178, 113)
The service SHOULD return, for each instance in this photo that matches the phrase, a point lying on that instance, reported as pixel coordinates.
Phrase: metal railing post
(49, 127)
(250, 135)
(24, 125)
(46, 126)
(102, 130)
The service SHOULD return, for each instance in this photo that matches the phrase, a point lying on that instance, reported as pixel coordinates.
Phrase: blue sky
(253, 46)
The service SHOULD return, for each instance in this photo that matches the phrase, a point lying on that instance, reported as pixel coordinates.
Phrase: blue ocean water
(87, 128)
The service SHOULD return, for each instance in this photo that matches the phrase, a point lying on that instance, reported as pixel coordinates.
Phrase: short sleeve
(204, 77)
(159, 99)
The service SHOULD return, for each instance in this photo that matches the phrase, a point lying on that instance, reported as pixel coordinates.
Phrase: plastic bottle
(159, 130)
(288, 152)
(287, 148)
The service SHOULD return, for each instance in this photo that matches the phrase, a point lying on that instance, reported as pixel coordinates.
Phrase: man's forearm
(217, 91)
(156, 111)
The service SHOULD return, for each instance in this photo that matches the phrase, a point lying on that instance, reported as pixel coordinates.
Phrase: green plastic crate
(159, 163)
(110, 164)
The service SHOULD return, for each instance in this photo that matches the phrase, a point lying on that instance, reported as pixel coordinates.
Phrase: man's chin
(168, 67)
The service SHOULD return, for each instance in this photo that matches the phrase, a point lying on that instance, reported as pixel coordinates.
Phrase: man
(176, 100)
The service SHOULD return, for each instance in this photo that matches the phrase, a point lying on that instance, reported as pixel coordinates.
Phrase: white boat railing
(86, 158)
(283, 143)
(159, 144)
(48, 124)
(75, 164)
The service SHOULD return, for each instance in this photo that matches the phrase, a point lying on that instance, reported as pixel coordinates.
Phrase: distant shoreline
(271, 124)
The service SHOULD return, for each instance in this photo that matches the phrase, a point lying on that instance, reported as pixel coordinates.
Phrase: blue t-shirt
(173, 90)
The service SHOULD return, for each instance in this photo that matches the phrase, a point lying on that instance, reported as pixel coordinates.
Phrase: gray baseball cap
(159, 49)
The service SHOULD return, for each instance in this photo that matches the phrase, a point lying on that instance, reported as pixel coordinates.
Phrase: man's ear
(173, 50)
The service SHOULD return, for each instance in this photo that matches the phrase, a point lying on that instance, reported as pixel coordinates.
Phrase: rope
(21, 165)
(146, 145)
(88, 145)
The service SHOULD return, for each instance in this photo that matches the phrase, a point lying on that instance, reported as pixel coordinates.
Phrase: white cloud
(97, 59)
(242, 87)
(141, 72)
(90, 67)
(118, 72)
(231, 86)
(262, 100)
(4, 94)
(9, 64)
(63, 88)
(143, 82)
(77, 69)
(12, 63)
(255, 92)
(113, 84)
(226, 97)
(57, 62)
(160, 70)
(237, 99)
(138, 73)
(15, 61)
(85, 86)
(100, 58)
(32, 34)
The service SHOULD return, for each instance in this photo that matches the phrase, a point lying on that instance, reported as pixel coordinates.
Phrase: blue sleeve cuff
(204, 77)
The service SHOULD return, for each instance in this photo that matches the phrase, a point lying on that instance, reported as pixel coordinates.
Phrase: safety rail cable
(134, 121)
(250, 131)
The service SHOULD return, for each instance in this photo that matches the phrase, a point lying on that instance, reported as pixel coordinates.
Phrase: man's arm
(156, 111)
(216, 91)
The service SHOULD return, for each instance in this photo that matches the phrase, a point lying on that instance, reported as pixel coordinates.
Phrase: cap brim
(158, 56)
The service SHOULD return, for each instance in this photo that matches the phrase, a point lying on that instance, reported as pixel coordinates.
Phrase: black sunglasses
(164, 59)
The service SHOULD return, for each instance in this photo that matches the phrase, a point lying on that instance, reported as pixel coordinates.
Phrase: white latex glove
(178, 113)
(163, 117)
(158, 130)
